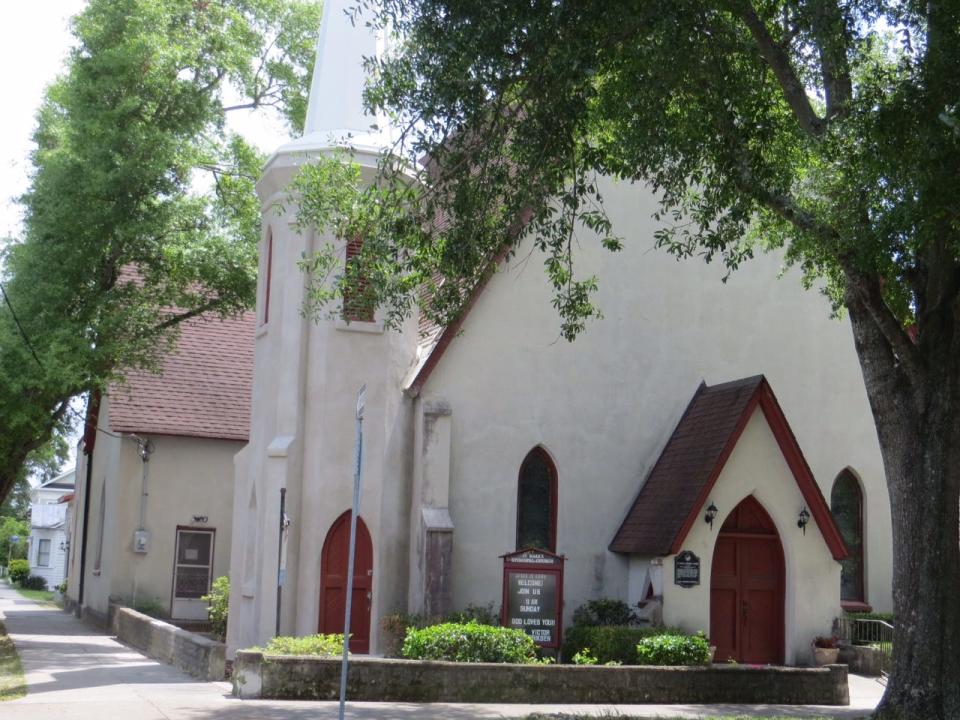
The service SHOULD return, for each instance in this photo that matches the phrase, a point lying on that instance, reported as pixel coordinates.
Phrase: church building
(706, 448)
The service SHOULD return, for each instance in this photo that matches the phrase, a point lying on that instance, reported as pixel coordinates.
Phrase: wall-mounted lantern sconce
(65, 545)
(803, 519)
(200, 519)
(710, 515)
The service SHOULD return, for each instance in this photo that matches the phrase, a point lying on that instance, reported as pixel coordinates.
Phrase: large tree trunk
(919, 432)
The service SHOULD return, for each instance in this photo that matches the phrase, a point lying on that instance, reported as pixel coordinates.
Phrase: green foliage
(152, 607)
(607, 642)
(584, 657)
(469, 642)
(19, 570)
(674, 649)
(12, 526)
(605, 611)
(218, 607)
(482, 614)
(309, 645)
(61, 588)
(34, 582)
(135, 173)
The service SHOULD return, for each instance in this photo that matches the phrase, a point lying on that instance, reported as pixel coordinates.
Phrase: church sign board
(686, 569)
(533, 594)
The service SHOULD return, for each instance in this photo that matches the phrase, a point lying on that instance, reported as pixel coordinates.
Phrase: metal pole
(280, 578)
(357, 467)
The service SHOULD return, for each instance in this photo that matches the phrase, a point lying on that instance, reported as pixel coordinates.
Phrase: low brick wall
(383, 680)
(200, 656)
(862, 660)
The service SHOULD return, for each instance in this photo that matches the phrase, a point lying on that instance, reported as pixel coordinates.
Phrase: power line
(33, 352)
(23, 333)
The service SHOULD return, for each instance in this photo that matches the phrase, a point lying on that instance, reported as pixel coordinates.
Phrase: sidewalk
(74, 673)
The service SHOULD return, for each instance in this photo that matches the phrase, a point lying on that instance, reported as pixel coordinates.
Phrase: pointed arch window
(846, 503)
(537, 502)
(268, 273)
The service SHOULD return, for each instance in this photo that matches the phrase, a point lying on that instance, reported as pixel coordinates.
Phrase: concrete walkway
(75, 674)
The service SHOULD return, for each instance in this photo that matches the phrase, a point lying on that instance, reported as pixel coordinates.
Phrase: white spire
(335, 114)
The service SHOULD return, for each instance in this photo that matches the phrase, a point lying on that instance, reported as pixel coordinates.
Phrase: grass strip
(40, 596)
(629, 717)
(12, 683)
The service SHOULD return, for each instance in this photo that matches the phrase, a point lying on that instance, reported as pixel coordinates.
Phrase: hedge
(331, 644)
(469, 642)
(19, 571)
(674, 649)
(607, 643)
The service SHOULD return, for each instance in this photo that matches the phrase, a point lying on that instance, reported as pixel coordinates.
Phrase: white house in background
(723, 420)
(49, 537)
(152, 517)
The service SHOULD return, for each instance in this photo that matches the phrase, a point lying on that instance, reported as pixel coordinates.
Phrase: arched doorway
(747, 588)
(333, 579)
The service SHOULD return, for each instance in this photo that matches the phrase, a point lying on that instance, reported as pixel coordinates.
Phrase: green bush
(482, 614)
(309, 645)
(19, 571)
(674, 649)
(218, 605)
(34, 582)
(151, 607)
(608, 643)
(604, 612)
(469, 642)
(61, 588)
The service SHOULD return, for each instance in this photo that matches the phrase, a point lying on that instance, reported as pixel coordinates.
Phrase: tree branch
(832, 39)
(793, 90)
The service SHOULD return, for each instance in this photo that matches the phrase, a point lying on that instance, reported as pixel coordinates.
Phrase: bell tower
(306, 376)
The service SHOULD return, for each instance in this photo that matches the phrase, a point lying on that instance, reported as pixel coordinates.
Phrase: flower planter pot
(825, 656)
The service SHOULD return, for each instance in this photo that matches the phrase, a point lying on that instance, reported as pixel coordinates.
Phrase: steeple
(335, 114)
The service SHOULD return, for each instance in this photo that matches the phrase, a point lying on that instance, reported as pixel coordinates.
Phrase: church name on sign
(533, 594)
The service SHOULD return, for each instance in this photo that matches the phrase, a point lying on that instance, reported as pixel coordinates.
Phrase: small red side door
(333, 572)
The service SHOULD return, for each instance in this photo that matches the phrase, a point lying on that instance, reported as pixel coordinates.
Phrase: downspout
(144, 450)
(89, 442)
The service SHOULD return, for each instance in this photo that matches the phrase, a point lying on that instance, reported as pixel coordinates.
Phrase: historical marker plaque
(533, 594)
(686, 569)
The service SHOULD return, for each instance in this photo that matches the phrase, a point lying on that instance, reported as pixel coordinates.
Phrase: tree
(828, 128)
(10, 526)
(141, 211)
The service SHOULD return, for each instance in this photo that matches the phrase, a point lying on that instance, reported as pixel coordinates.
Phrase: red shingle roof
(692, 460)
(203, 389)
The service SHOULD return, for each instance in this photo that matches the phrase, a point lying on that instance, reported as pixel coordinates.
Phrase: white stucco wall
(812, 582)
(187, 477)
(605, 405)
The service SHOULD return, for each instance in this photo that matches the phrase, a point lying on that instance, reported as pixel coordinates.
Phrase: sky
(35, 43)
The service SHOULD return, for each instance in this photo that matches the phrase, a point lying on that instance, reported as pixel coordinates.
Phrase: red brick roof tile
(692, 459)
(203, 388)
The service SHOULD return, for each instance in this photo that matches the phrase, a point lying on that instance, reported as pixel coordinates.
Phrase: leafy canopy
(141, 210)
(827, 127)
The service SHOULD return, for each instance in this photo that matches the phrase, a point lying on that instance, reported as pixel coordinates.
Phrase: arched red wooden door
(333, 579)
(747, 588)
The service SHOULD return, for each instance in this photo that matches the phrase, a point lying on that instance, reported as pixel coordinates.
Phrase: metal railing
(868, 632)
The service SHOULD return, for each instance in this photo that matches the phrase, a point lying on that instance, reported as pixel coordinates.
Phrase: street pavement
(75, 673)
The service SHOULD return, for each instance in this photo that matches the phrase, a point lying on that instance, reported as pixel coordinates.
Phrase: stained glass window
(846, 503)
(536, 502)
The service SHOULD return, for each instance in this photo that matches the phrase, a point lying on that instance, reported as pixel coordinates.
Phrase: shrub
(482, 614)
(469, 642)
(19, 571)
(218, 605)
(309, 645)
(393, 630)
(604, 612)
(34, 582)
(61, 588)
(584, 657)
(608, 643)
(674, 649)
(885, 617)
(151, 607)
